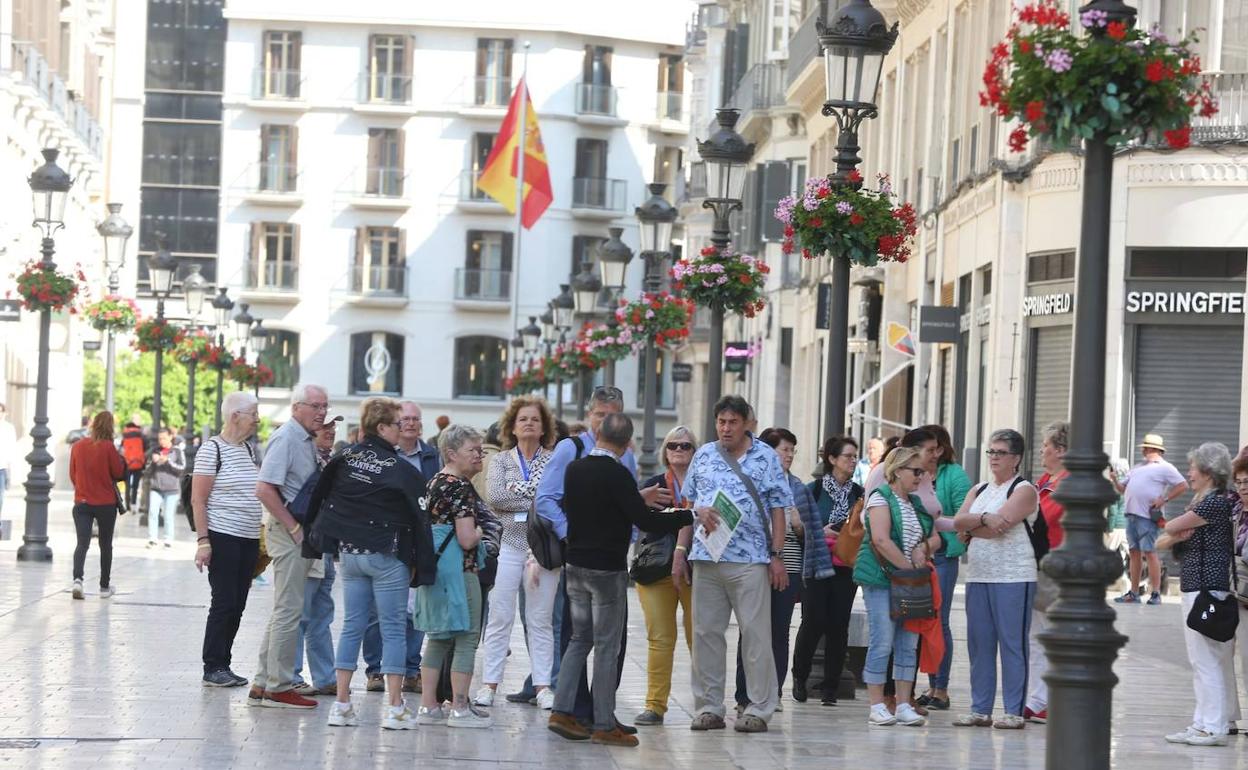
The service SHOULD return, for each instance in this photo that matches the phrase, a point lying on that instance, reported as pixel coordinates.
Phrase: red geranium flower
(1179, 138)
(854, 175)
(1116, 30)
(856, 219)
(1035, 111)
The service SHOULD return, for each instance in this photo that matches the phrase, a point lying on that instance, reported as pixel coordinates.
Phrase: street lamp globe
(548, 324)
(727, 155)
(49, 185)
(585, 289)
(613, 258)
(259, 337)
(564, 307)
(115, 232)
(657, 217)
(194, 288)
(161, 269)
(221, 307)
(242, 322)
(531, 335)
(855, 44)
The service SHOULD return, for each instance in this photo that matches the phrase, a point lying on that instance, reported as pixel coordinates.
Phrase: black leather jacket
(366, 495)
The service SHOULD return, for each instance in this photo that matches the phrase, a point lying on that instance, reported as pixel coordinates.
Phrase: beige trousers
(276, 667)
(719, 590)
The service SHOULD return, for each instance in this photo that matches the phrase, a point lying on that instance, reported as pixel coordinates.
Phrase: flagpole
(522, 150)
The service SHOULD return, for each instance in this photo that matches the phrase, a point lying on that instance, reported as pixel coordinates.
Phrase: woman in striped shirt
(227, 523)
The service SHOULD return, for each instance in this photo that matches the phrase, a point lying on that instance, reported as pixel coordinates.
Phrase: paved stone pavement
(115, 683)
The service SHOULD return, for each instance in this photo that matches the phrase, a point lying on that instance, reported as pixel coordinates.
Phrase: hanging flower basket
(861, 225)
(113, 314)
(217, 357)
(732, 281)
(248, 376)
(1064, 87)
(42, 289)
(662, 317)
(605, 345)
(193, 347)
(152, 335)
(526, 380)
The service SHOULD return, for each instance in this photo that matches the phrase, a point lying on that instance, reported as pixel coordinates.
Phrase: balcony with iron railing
(1231, 121)
(376, 187)
(265, 276)
(760, 89)
(378, 284)
(483, 287)
(488, 91)
(277, 84)
(707, 16)
(384, 91)
(473, 198)
(804, 48)
(35, 72)
(273, 182)
(669, 106)
(695, 182)
(599, 197)
(596, 100)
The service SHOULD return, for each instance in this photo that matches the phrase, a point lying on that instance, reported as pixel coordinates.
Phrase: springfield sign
(1047, 304)
(1201, 302)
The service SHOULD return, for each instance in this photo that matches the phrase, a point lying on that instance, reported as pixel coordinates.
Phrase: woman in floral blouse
(527, 431)
(454, 502)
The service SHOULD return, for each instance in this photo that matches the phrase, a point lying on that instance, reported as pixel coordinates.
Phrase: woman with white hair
(1208, 539)
(227, 525)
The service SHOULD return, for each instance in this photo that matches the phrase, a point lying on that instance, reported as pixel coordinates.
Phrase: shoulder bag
(909, 590)
(849, 539)
(735, 467)
(1210, 616)
(548, 549)
(653, 560)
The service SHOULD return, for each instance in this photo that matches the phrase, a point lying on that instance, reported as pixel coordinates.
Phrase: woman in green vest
(899, 536)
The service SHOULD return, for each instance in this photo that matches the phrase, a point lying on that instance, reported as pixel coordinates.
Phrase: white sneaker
(546, 699)
(484, 696)
(908, 717)
(779, 706)
(430, 716)
(77, 589)
(342, 715)
(1202, 738)
(1180, 736)
(881, 716)
(469, 717)
(105, 593)
(398, 718)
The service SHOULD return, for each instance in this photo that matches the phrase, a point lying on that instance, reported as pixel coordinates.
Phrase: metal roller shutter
(1050, 386)
(1187, 385)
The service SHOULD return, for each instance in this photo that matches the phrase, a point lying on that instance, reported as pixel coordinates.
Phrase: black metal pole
(190, 411)
(38, 483)
(160, 371)
(649, 442)
(847, 160)
(715, 344)
(220, 380)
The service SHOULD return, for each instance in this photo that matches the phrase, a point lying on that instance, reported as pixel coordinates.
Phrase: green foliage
(135, 387)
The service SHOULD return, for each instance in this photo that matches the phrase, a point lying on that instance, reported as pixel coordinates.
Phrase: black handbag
(653, 561)
(547, 548)
(910, 594)
(1210, 616)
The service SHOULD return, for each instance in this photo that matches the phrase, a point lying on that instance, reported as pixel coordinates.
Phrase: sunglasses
(918, 472)
(680, 446)
(997, 453)
(607, 393)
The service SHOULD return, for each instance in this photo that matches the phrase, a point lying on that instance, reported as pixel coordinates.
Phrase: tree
(135, 385)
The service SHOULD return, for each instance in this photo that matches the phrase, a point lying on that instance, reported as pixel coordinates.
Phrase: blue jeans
(370, 580)
(162, 504)
(318, 613)
(947, 574)
(782, 603)
(998, 619)
(886, 636)
(372, 647)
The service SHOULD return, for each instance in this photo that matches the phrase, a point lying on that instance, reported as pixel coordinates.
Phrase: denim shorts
(1141, 533)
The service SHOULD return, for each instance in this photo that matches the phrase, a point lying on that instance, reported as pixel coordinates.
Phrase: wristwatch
(776, 554)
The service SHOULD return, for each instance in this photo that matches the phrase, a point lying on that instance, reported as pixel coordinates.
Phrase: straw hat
(1153, 441)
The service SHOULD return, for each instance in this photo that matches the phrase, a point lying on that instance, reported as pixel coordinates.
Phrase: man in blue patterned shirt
(742, 579)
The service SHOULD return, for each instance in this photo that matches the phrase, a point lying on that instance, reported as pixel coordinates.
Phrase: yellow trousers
(658, 604)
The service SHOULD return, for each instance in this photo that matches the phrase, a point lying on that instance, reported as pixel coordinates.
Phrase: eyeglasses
(849, 455)
(387, 425)
(476, 450)
(319, 407)
(680, 446)
(997, 453)
(607, 393)
(409, 419)
(1241, 482)
(918, 472)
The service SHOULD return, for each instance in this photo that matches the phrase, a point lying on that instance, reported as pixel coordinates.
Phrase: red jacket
(932, 650)
(1051, 509)
(95, 467)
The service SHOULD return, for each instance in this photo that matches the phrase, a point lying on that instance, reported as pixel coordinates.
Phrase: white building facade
(350, 221)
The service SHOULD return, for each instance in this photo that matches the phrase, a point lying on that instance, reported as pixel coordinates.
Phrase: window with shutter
(493, 72)
(777, 176)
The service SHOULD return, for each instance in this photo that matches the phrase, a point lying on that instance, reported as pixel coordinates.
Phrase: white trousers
(1213, 676)
(539, 605)
(1241, 644)
(1038, 663)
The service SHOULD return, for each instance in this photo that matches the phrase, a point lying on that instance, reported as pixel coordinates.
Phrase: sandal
(938, 704)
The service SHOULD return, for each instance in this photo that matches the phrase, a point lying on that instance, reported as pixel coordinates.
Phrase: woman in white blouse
(527, 430)
(1000, 584)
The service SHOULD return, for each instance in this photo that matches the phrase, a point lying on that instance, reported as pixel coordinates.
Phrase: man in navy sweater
(602, 505)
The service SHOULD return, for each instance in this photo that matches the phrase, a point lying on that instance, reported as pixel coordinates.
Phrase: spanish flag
(498, 178)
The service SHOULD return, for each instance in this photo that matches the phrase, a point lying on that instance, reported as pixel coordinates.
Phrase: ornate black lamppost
(194, 288)
(586, 287)
(221, 307)
(115, 232)
(564, 308)
(855, 45)
(260, 338)
(657, 217)
(613, 258)
(727, 156)
(161, 270)
(49, 185)
(1081, 642)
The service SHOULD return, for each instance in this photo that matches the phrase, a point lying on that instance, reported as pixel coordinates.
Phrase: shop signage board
(938, 324)
(682, 372)
(10, 310)
(1197, 302)
(736, 356)
(823, 307)
(900, 339)
(1048, 304)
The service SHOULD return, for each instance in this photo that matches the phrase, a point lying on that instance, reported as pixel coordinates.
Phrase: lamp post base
(32, 551)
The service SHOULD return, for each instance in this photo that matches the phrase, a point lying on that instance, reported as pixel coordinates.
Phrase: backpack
(133, 452)
(1037, 533)
(184, 483)
(548, 550)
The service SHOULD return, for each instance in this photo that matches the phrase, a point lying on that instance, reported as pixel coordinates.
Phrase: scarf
(839, 495)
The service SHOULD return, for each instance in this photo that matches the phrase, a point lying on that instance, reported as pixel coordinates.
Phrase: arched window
(480, 364)
(282, 356)
(376, 364)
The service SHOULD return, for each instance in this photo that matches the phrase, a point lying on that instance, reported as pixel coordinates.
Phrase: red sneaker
(1037, 717)
(288, 699)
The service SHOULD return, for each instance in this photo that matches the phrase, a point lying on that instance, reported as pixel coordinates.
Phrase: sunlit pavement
(116, 683)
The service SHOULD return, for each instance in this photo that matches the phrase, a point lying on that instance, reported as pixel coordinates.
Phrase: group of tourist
(437, 547)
